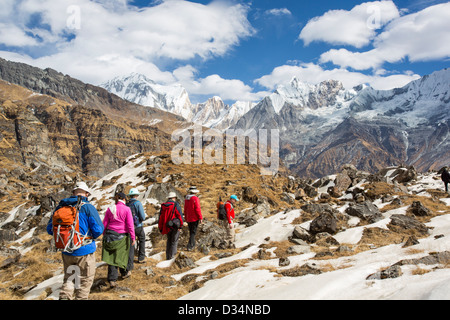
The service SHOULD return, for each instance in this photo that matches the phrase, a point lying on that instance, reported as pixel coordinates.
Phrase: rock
(342, 183)
(392, 272)
(419, 210)
(301, 233)
(10, 261)
(326, 222)
(183, 261)
(249, 195)
(412, 241)
(299, 249)
(283, 262)
(288, 197)
(7, 235)
(407, 223)
(404, 175)
(432, 259)
(366, 211)
(317, 208)
(160, 191)
(300, 194)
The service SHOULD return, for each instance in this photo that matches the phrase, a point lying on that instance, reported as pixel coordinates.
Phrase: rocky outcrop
(44, 132)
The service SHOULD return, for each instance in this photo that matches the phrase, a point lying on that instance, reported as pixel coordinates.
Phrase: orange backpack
(66, 228)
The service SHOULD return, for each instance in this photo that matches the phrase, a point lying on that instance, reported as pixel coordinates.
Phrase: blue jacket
(89, 220)
(137, 207)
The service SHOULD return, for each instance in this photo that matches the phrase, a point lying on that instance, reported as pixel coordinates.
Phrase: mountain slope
(93, 138)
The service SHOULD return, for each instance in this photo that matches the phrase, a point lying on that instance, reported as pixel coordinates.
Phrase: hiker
(80, 262)
(138, 213)
(227, 223)
(170, 222)
(445, 176)
(118, 239)
(192, 215)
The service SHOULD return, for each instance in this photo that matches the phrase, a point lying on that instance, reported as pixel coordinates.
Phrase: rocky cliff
(46, 142)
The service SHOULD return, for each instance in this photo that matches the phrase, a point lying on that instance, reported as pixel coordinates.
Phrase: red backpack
(66, 228)
(167, 218)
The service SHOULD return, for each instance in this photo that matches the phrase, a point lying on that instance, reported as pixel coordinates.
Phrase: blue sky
(238, 50)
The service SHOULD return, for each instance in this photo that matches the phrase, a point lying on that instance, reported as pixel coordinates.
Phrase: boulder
(366, 211)
(301, 233)
(407, 223)
(419, 210)
(325, 222)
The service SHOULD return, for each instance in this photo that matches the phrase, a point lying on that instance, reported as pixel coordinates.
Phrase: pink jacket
(121, 221)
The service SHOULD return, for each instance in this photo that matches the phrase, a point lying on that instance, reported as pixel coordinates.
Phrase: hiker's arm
(228, 210)
(198, 210)
(95, 223)
(140, 211)
(129, 224)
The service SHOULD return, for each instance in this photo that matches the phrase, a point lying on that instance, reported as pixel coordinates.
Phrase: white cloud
(112, 34)
(279, 12)
(227, 89)
(420, 36)
(314, 74)
(356, 27)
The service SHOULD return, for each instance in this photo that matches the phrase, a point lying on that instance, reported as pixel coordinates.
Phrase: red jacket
(192, 210)
(230, 211)
(168, 213)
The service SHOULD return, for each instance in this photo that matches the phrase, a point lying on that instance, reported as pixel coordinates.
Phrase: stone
(419, 210)
(407, 223)
(366, 211)
(325, 222)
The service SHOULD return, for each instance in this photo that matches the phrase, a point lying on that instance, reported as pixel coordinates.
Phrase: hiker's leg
(130, 265)
(87, 267)
(140, 236)
(67, 288)
(113, 273)
(192, 232)
(172, 244)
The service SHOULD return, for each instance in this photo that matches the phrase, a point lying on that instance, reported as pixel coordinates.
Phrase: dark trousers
(446, 186)
(172, 243)
(113, 273)
(192, 232)
(140, 243)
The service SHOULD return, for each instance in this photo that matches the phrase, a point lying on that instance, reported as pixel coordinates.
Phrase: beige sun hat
(172, 195)
(193, 189)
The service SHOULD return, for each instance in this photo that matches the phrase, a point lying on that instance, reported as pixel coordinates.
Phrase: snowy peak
(139, 89)
(302, 94)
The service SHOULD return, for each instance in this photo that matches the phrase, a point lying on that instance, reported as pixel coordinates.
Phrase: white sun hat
(83, 186)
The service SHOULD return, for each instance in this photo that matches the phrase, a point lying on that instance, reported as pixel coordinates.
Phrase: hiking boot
(112, 284)
(141, 261)
(126, 275)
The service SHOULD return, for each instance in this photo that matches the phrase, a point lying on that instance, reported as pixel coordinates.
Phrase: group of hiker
(76, 223)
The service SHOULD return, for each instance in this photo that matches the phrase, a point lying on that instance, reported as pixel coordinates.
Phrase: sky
(235, 49)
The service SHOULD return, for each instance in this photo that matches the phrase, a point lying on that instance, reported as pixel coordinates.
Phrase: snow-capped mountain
(325, 126)
(213, 113)
(139, 89)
